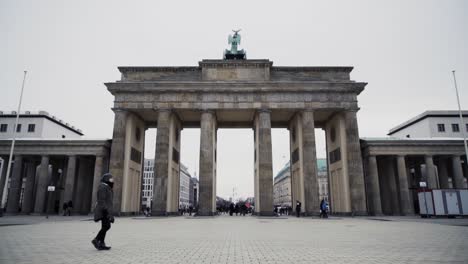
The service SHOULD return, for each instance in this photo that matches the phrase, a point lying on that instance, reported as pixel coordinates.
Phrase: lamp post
(463, 127)
(12, 144)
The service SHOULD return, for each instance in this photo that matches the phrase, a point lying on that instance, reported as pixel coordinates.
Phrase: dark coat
(104, 202)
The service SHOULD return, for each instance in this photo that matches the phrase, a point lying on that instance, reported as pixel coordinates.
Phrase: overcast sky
(405, 50)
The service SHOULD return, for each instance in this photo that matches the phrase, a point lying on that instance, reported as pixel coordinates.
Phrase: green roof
(321, 166)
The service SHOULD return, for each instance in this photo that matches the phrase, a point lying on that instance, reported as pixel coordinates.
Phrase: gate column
(263, 164)
(166, 165)
(15, 186)
(207, 194)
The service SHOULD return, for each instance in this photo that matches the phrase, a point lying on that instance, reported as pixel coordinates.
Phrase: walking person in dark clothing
(103, 211)
(65, 208)
(323, 209)
(69, 207)
(298, 208)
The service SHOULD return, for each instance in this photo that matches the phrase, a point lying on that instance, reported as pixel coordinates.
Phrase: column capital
(352, 110)
(263, 110)
(115, 109)
(307, 110)
(401, 156)
(162, 110)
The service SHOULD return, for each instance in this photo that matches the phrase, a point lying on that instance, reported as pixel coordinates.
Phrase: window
(18, 128)
(455, 128)
(3, 127)
(31, 127)
(441, 127)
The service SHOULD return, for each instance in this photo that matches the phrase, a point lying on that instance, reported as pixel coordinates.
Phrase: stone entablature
(246, 70)
(57, 147)
(391, 146)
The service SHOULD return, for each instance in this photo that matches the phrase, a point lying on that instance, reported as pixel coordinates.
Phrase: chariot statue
(234, 53)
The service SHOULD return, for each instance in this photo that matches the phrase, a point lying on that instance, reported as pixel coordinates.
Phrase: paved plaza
(239, 239)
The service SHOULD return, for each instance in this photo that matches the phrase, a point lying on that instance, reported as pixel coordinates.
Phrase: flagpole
(463, 125)
(13, 143)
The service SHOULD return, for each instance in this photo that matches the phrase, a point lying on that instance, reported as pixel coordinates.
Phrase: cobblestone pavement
(227, 239)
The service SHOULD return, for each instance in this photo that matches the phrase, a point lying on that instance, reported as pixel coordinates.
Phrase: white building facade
(147, 183)
(40, 125)
(185, 200)
(433, 124)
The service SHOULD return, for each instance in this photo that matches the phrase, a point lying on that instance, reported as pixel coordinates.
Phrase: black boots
(99, 245)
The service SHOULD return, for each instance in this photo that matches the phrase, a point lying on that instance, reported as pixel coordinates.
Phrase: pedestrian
(298, 208)
(69, 207)
(190, 210)
(236, 209)
(103, 211)
(231, 209)
(65, 208)
(323, 209)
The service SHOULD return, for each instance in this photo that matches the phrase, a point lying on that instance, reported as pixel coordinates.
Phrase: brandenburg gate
(236, 92)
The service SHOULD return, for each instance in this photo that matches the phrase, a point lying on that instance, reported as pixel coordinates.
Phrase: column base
(206, 214)
(267, 213)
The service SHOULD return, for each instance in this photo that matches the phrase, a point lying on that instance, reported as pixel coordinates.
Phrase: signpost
(423, 185)
(49, 189)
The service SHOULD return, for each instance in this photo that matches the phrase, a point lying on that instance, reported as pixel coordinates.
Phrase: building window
(31, 127)
(18, 128)
(455, 128)
(441, 127)
(3, 127)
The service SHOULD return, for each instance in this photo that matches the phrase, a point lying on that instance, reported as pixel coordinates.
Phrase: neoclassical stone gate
(237, 94)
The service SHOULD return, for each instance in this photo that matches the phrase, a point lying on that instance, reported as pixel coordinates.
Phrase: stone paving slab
(238, 239)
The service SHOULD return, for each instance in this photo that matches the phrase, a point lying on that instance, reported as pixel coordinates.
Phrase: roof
(44, 114)
(321, 166)
(424, 115)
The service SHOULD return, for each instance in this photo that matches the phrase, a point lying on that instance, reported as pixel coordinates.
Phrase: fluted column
(430, 172)
(405, 201)
(69, 179)
(28, 197)
(3, 181)
(373, 186)
(265, 165)
(355, 170)
(207, 184)
(458, 179)
(443, 173)
(161, 164)
(41, 189)
(98, 165)
(15, 186)
(311, 188)
(117, 156)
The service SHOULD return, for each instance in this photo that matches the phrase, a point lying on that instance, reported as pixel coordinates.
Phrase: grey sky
(405, 50)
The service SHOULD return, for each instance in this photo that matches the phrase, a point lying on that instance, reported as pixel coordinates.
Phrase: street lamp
(13, 143)
(461, 115)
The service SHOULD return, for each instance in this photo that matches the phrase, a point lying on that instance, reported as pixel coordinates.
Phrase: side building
(52, 164)
(282, 184)
(426, 150)
(188, 188)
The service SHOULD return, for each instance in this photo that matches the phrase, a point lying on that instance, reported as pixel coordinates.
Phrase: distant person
(190, 210)
(231, 209)
(65, 208)
(237, 209)
(323, 209)
(103, 211)
(69, 207)
(243, 209)
(298, 208)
